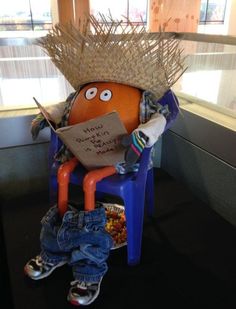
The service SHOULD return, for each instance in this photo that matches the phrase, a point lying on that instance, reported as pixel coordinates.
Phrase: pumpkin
(97, 99)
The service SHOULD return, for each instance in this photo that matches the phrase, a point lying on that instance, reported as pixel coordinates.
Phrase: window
(212, 11)
(25, 15)
(134, 10)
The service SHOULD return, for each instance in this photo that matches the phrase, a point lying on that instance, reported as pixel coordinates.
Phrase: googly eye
(91, 93)
(106, 95)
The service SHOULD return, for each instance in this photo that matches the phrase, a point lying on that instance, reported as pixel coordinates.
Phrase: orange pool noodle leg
(63, 178)
(89, 184)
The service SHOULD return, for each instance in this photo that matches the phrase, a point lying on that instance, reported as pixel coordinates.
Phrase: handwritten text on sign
(97, 139)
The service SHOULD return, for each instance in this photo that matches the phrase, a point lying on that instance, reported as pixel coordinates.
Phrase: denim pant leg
(84, 235)
(51, 252)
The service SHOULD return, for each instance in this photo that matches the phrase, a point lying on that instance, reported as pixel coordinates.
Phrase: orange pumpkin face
(97, 99)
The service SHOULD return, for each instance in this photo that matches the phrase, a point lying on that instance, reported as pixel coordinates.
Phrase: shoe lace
(41, 263)
(79, 284)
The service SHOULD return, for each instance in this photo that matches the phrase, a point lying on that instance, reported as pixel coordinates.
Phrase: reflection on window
(210, 77)
(197, 84)
(25, 15)
(212, 11)
(26, 72)
(134, 10)
(39, 87)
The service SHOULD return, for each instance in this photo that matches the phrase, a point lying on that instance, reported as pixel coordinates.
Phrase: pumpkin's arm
(39, 123)
(144, 136)
(153, 129)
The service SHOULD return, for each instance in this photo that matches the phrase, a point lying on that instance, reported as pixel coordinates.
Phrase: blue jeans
(78, 238)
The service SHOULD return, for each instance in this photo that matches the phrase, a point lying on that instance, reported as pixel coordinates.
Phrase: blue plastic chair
(133, 188)
(136, 189)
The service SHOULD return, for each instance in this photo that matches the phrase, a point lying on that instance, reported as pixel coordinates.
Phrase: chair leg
(63, 178)
(134, 212)
(149, 193)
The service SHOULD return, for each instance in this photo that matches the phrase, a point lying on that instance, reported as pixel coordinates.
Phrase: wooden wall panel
(72, 10)
(65, 11)
(174, 15)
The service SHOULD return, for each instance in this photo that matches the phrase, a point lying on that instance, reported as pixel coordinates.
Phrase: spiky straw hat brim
(114, 52)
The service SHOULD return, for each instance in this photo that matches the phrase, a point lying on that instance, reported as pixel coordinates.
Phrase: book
(96, 142)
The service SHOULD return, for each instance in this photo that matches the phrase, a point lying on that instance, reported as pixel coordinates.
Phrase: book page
(96, 142)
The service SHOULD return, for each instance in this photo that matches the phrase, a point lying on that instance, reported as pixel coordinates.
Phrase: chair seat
(115, 184)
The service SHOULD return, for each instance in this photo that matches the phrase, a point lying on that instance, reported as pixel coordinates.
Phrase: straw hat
(113, 52)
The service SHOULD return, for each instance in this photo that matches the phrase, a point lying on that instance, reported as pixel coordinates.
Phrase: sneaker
(82, 293)
(37, 269)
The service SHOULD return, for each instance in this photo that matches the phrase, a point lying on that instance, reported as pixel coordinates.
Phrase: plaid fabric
(38, 124)
(70, 100)
(149, 106)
